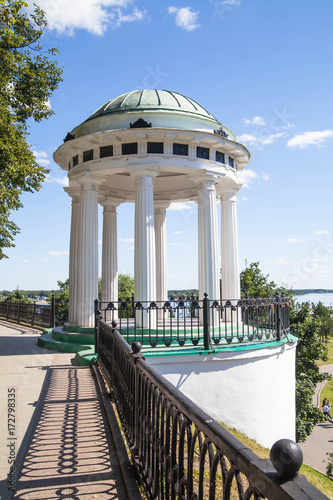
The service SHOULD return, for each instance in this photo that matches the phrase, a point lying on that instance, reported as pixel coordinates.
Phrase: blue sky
(264, 69)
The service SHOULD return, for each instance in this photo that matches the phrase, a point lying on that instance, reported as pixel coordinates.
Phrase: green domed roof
(141, 100)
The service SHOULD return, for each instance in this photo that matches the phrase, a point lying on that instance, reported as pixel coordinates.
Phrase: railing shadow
(70, 454)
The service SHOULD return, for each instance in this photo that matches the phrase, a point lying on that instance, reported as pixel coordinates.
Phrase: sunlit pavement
(51, 425)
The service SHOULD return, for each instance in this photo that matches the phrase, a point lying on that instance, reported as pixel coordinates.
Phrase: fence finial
(287, 458)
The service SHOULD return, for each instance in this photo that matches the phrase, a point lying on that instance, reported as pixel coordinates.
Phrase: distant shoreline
(306, 291)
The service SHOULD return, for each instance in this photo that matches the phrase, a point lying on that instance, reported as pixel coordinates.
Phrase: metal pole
(97, 313)
(53, 311)
(278, 317)
(207, 339)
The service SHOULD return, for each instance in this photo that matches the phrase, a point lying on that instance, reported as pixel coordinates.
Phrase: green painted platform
(70, 339)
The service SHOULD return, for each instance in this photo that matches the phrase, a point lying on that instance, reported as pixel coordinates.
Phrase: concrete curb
(126, 467)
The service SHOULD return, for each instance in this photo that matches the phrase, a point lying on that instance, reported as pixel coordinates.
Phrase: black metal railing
(193, 322)
(33, 314)
(178, 450)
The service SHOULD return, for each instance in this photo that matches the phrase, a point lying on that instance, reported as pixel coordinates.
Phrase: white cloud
(58, 253)
(247, 176)
(95, 16)
(41, 158)
(310, 138)
(283, 261)
(63, 181)
(294, 240)
(178, 232)
(322, 232)
(182, 205)
(234, 3)
(256, 120)
(185, 17)
(259, 141)
(126, 240)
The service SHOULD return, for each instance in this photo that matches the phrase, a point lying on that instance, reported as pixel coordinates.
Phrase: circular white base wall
(252, 391)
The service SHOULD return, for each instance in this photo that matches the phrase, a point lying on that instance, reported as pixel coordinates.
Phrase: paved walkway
(57, 435)
(320, 441)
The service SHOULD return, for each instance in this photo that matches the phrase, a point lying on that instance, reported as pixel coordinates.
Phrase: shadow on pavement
(71, 454)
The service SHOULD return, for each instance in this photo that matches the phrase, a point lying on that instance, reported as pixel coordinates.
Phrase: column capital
(74, 193)
(161, 206)
(110, 204)
(228, 189)
(142, 173)
(205, 179)
(89, 182)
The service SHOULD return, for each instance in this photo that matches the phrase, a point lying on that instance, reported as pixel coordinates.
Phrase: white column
(110, 254)
(229, 247)
(161, 251)
(88, 262)
(208, 239)
(144, 251)
(74, 255)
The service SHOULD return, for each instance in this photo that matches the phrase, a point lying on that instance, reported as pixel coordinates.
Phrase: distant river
(325, 298)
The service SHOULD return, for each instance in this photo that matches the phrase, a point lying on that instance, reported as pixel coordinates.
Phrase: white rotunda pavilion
(151, 148)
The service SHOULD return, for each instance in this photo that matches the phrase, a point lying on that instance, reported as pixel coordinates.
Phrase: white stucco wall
(252, 391)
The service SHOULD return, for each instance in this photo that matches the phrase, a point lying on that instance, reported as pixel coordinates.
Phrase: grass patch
(330, 355)
(327, 391)
(323, 483)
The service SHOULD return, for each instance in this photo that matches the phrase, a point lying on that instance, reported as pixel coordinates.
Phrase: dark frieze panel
(155, 147)
(129, 148)
(88, 155)
(220, 157)
(140, 123)
(105, 151)
(203, 153)
(180, 149)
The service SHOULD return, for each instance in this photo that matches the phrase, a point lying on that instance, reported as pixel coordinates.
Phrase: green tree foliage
(17, 296)
(256, 284)
(306, 327)
(323, 313)
(61, 302)
(28, 77)
(125, 286)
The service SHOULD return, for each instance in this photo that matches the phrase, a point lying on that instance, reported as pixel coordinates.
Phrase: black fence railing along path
(192, 322)
(33, 314)
(181, 452)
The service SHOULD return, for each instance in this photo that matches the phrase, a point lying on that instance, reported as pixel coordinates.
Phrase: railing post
(135, 355)
(19, 312)
(52, 311)
(278, 317)
(97, 317)
(207, 339)
(33, 314)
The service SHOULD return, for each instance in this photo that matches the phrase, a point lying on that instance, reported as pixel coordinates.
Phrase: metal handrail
(29, 313)
(180, 451)
(206, 323)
